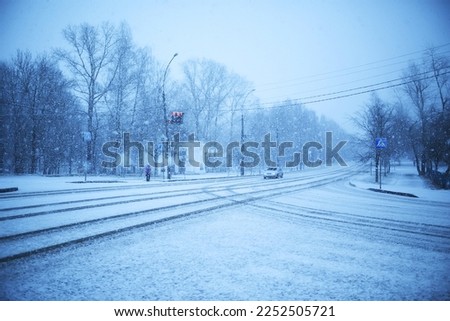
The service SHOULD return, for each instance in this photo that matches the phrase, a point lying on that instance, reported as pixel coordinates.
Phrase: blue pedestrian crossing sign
(381, 143)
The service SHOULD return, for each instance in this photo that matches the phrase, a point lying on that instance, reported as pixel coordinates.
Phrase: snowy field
(313, 235)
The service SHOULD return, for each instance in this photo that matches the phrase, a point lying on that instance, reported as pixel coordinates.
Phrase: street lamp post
(166, 121)
(242, 132)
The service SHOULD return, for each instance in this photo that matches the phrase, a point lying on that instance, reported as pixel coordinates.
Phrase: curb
(392, 192)
(9, 189)
(386, 191)
(102, 182)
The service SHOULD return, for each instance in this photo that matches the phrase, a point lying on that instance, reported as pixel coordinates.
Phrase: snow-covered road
(308, 236)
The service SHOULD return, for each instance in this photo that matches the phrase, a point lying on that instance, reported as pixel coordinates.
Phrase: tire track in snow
(20, 245)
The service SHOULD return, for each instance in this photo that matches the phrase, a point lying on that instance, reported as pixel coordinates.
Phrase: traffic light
(176, 117)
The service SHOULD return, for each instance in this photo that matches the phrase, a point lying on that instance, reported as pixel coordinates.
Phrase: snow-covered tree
(375, 121)
(93, 64)
(40, 118)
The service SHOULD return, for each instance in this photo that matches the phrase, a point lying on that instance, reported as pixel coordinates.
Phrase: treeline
(58, 109)
(417, 125)
(40, 118)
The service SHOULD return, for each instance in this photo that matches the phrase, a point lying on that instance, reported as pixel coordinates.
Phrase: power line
(353, 81)
(354, 70)
(305, 101)
(361, 87)
(370, 90)
(357, 67)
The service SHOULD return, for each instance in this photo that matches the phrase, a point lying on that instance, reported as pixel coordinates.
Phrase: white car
(273, 172)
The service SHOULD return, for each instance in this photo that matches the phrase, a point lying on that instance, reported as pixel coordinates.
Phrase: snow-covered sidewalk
(402, 179)
(39, 183)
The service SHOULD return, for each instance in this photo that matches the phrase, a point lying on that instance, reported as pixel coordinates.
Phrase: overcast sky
(286, 49)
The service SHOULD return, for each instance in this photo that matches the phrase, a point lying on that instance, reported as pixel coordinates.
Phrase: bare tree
(132, 102)
(5, 117)
(121, 99)
(416, 89)
(440, 66)
(40, 116)
(93, 63)
(209, 85)
(439, 147)
(56, 141)
(375, 121)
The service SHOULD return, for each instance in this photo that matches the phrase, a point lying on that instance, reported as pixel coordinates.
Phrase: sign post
(87, 137)
(380, 144)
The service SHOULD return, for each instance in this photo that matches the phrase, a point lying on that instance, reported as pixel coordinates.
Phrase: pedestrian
(148, 172)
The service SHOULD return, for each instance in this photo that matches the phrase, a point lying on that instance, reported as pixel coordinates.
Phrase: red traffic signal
(176, 117)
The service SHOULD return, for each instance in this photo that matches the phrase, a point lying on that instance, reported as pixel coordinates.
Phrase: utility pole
(380, 144)
(242, 143)
(242, 132)
(166, 121)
